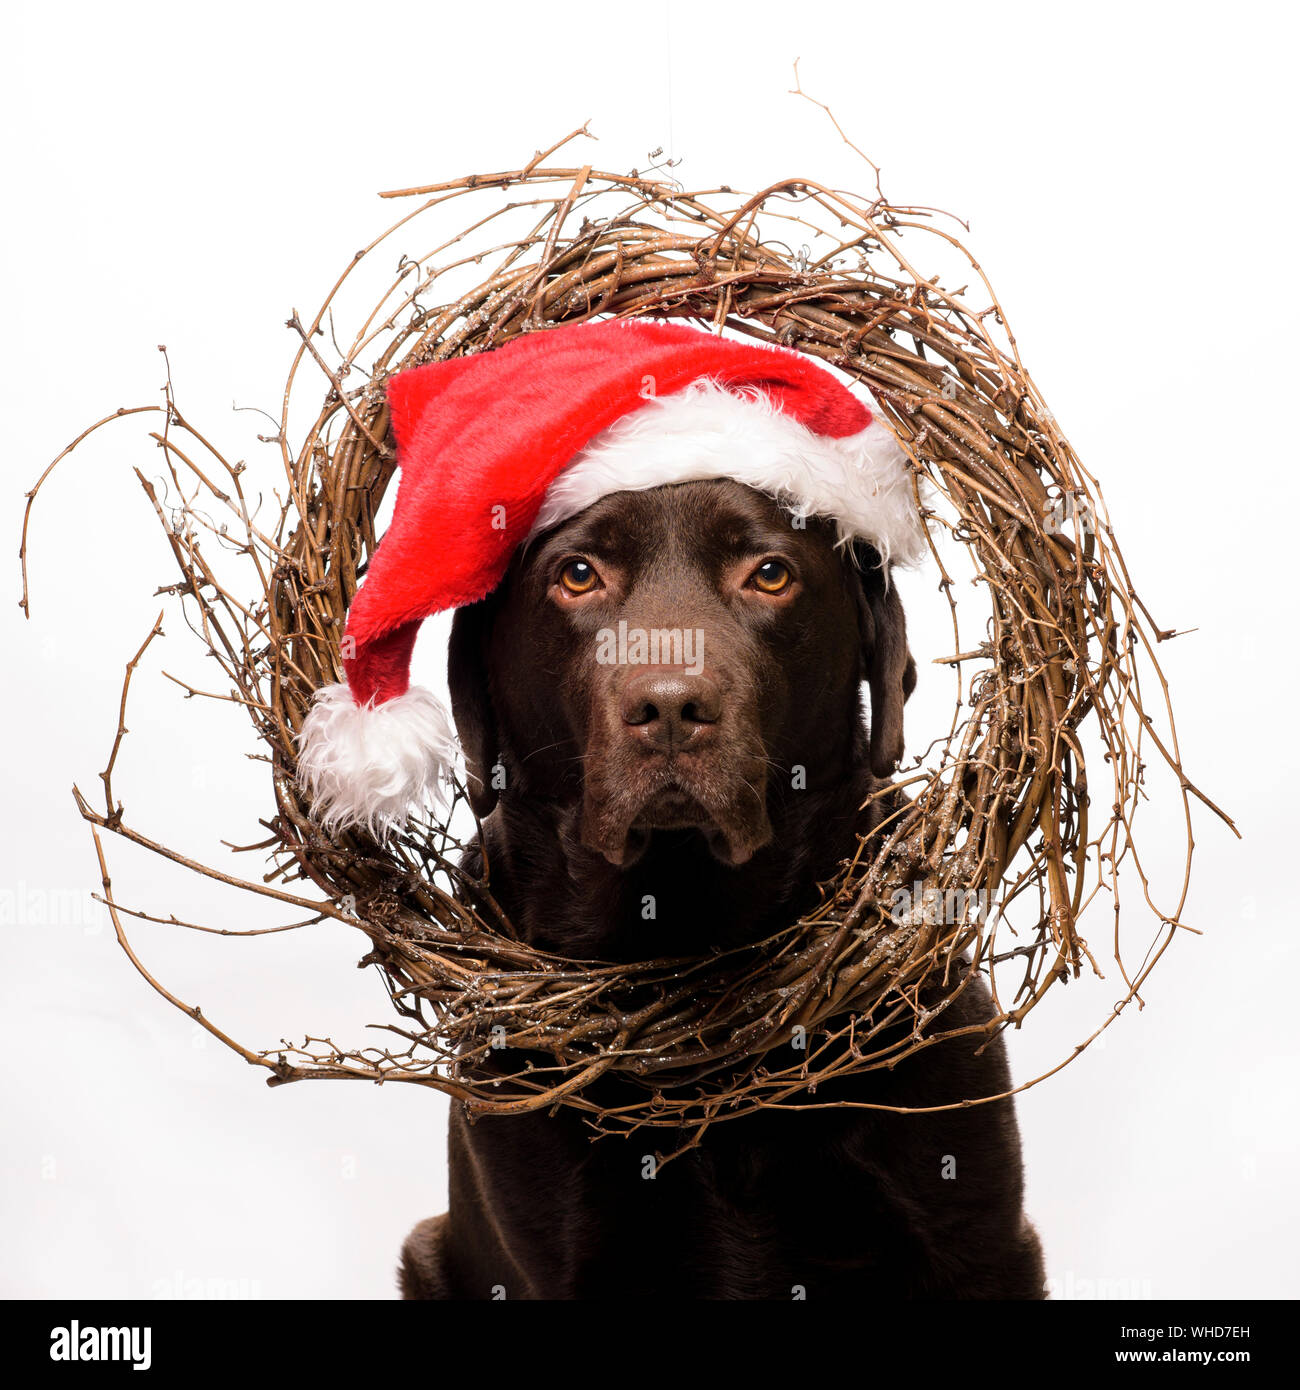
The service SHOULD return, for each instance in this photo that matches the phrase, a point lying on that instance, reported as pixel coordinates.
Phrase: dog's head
(683, 658)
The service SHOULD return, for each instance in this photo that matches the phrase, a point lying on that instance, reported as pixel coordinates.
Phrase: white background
(187, 176)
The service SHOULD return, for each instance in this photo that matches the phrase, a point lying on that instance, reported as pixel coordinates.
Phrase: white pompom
(373, 765)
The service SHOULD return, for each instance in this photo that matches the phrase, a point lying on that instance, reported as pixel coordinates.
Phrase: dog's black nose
(670, 709)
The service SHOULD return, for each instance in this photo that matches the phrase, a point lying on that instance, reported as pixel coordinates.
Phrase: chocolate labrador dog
(721, 786)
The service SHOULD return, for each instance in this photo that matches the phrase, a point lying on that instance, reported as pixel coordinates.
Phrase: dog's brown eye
(578, 577)
(771, 577)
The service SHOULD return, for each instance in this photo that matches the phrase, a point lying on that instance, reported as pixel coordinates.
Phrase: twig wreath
(1003, 824)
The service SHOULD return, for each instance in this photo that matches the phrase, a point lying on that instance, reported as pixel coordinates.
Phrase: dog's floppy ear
(471, 700)
(887, 665)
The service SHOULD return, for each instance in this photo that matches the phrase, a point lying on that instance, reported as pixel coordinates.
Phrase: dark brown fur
(625, 782)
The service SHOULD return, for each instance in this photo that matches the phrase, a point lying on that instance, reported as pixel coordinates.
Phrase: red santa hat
(496, 447)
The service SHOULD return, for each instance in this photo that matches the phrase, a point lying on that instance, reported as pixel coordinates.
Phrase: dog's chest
(764, 1207)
